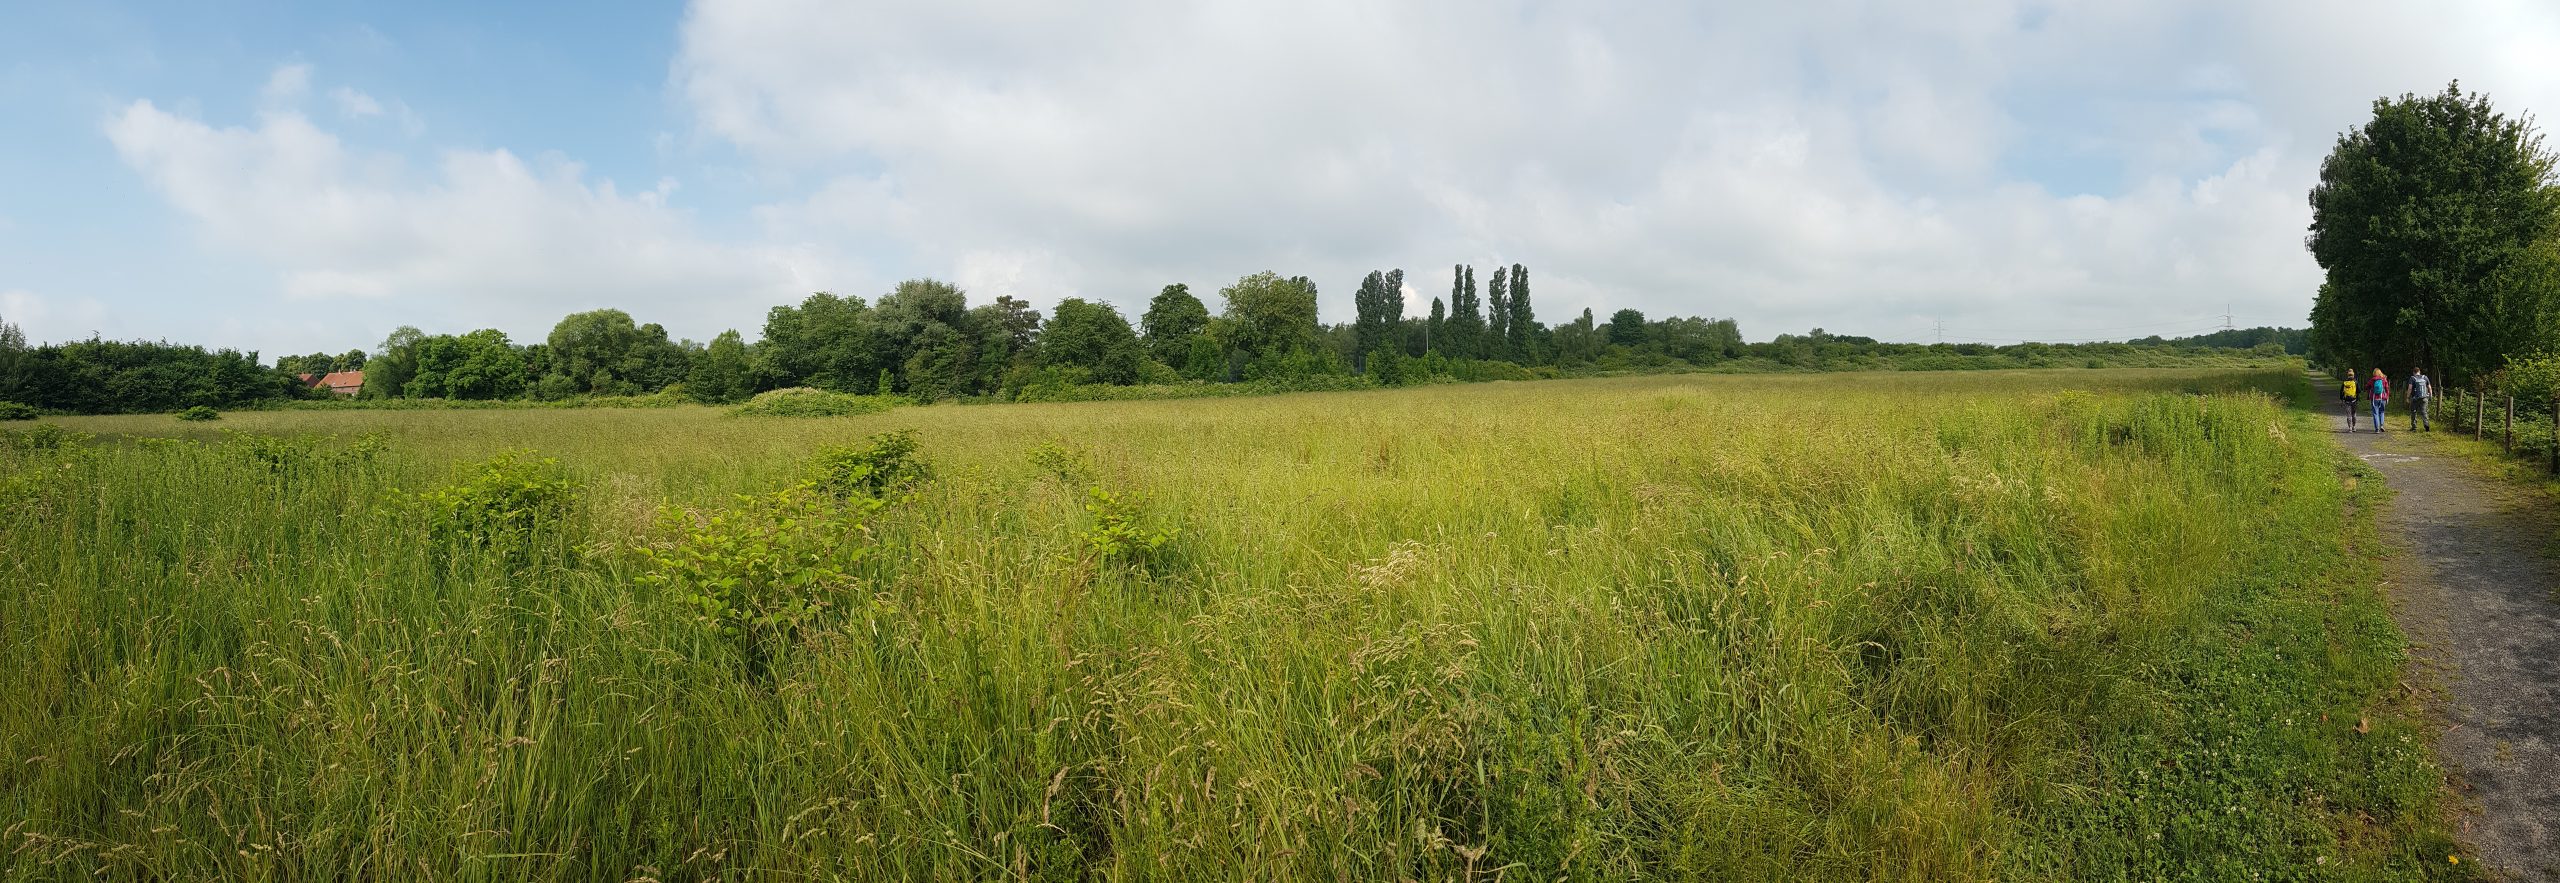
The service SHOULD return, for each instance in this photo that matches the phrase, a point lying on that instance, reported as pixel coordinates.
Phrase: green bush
(40, 438)
(801, 401)
(507, 503)
(15, 411)
(885, 466)
(1120, 533)
(761, 569)
(1069, 465)
(2534, 379)
(199, 413)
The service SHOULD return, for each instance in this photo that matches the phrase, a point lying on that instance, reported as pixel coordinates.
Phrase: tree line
(923, 339)
(2437, 226)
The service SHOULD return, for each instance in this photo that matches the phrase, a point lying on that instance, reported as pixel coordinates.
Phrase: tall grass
(1898, 626)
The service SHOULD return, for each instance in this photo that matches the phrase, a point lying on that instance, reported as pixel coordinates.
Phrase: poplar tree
(1435, 331)
(1497, 316)
(1466, 322)
(1522, 323)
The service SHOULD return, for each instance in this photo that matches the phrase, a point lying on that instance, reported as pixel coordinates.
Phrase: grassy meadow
(2028, 625)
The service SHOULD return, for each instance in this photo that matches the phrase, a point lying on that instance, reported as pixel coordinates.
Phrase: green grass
(2059, 624)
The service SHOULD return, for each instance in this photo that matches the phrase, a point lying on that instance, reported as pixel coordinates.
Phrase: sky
(294, 178)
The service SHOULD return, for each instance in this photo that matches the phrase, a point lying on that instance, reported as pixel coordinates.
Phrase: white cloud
(51, 320)
(287, 86)
(354, 104)
(1859, 165)
(481, 238)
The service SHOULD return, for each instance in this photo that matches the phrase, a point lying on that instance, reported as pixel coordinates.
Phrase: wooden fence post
(2511, 424)
(2480, 415)
(2555, 434)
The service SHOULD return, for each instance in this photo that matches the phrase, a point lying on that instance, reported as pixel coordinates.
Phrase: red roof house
(345, 383)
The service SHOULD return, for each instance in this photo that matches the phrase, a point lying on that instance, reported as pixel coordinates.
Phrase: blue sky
(299, 177)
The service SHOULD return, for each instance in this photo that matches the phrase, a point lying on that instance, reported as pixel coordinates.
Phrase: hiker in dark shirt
(2421, 394)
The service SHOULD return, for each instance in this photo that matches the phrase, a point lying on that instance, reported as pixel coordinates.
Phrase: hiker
(2347, 394)
(2381, 396)
(2421, 393)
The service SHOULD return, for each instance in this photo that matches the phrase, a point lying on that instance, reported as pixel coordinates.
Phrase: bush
(2533, 379)
(41, 438)
(506, 503)
(887, 465)
(761, 569)
(1121, 534)
(199, 413)
(15, 411)
(308, 454)
(801, 401)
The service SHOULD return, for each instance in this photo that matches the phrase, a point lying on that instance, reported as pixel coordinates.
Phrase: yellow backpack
(2347, 388)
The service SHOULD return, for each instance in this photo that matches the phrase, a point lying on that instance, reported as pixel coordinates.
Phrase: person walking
(2380, 397)
(2421, 394)
(2347, 394)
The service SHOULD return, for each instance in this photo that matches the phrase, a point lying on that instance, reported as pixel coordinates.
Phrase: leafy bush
(43, 437)
(1066, 464)
(287, 453)
(2534, 379)
(504, 503)
(887, 465)
(801, 401)
(199, 413)
(15, 411)
(763, 568)
(1121, 534)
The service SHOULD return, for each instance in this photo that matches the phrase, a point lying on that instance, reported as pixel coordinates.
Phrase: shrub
(199, 414)
(1067, 465)
(15, 411)
(801, 401)
(43, 437)
(1121, 534)
(887, 465)
(2534, 379)
(761, 569)
(286, 453)
(504, 503)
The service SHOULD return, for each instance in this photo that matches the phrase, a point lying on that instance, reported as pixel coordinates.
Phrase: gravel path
(2475, 593)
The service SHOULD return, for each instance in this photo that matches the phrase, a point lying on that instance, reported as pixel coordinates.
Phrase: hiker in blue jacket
(2380, 396)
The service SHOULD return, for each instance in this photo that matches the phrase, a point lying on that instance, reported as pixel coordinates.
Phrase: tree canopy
(2435, 223)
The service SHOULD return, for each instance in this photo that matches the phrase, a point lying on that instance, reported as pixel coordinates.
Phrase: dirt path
(2475, 593)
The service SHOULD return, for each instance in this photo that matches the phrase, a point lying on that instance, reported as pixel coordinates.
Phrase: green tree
(1092, 337)
(1268, 316)
(393, 365)
(2435, 222)
(724, 373)
(1435, 330)
(1007, 331)
(1465, 329)
(1497, 317)
(591, 348)
(1627, 327)
(1172, 319)
(1523, 335)
(823, 342)
(478, 365)
(1379, 307)
(1578, 341)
